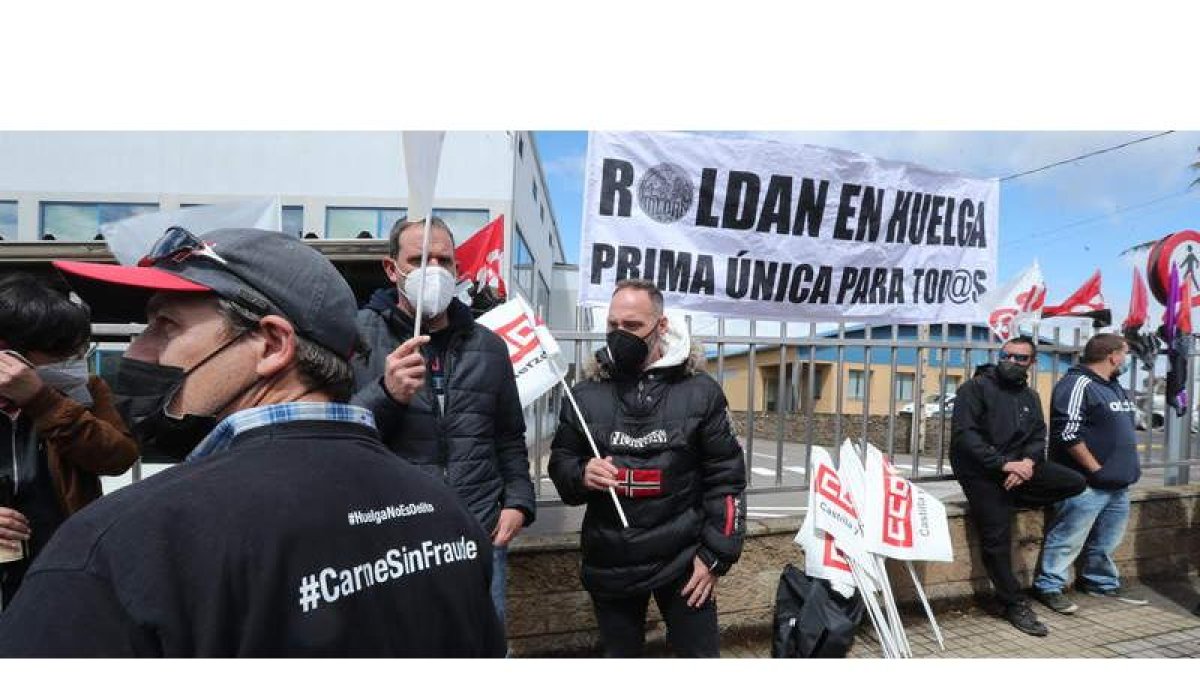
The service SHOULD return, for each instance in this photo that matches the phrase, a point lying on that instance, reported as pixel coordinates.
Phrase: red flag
(1138, 305)
(479, 256)
(1086, 302)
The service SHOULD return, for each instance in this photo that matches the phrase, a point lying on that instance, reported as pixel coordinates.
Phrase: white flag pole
(889, 600)
(424, 262)
(882, 630)
(937, 631)
(592, 442)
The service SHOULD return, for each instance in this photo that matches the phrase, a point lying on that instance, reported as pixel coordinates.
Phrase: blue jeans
(499, 579)
(1092, 522)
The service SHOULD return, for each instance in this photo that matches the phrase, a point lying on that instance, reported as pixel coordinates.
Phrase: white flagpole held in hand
(937, 631)
(424, 262)
(592, 442)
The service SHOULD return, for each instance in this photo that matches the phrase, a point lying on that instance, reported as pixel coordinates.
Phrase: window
(523, 264)
(463, 222)
(542, 212)
(293, 220)
(905, 383)
(542, 303)
(534, 184)
(520, 145)
(857, 385)
(81, 221)
(354, 222)
(951, 384)
(8, 221)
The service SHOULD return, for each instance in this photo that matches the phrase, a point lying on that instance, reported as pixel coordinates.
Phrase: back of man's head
(1100, 346)
(39, 314)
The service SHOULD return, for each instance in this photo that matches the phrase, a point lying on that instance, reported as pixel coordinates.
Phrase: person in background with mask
(663, 429)
(1092, 430)
(446, 400)
(998, 453)
(59, 430)
(290, 530)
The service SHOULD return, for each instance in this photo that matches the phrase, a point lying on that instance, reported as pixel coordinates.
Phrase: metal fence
(778, 446)
(1167, 446)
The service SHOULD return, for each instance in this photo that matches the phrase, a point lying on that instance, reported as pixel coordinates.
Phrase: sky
(1073, 218)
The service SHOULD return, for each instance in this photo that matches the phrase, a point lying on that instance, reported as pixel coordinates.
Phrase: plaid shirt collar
(218, 440)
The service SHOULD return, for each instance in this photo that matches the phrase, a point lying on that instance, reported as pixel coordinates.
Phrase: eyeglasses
(177, 245)
(1019, 358)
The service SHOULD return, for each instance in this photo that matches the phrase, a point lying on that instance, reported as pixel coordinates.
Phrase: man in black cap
(290, 530)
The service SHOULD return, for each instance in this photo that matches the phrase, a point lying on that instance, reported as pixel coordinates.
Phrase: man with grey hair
(447, 399)
(669, 452)
(290, 530)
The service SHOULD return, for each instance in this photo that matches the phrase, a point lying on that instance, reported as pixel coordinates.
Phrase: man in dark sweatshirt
(290, 530)
(997, 450)
(1092, 431)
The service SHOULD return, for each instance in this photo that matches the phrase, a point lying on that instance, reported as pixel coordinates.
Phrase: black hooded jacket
(995, 422)
(684, 478)
(478, 445)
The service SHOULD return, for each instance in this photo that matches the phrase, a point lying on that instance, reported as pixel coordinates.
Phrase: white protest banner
(535, 354)
(759, 229)
(131, 238)
(905, 522)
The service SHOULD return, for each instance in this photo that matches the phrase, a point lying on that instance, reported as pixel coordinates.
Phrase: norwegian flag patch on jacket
(639, 483)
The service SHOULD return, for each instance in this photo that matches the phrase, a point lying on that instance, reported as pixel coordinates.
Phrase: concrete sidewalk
(1166, 628)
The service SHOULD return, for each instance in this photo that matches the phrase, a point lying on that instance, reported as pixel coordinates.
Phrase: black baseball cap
(267, 273)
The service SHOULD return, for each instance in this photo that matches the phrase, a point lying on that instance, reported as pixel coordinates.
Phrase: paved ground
(1165, 628)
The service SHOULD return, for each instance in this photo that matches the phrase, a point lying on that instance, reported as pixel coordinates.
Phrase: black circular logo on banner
(665, 193)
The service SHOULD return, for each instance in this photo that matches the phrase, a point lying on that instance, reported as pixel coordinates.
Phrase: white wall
(475, 165)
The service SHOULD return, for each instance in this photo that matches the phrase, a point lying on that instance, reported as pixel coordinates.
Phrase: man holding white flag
(447, 399)
(670, 454)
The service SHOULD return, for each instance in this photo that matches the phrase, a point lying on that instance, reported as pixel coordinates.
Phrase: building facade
(57, 188)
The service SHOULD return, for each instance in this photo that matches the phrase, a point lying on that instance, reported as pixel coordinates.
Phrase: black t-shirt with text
(302, 539)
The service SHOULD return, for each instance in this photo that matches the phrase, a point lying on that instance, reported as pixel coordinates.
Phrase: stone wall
(549, 613)
(824, 426)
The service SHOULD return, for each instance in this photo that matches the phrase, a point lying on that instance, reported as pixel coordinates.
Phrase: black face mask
(627, 351)
(144, 390)
(1011, 373)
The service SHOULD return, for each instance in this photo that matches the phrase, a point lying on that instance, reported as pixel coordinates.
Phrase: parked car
(934, 404)
(1152, 411)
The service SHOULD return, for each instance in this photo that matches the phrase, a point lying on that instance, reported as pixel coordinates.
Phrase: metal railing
(778, 444)
(778, 454)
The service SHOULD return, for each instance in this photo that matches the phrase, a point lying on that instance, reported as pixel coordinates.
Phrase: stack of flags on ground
(858, 516)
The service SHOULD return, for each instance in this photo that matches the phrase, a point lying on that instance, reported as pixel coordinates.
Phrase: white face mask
(439, 289)
(70, 377)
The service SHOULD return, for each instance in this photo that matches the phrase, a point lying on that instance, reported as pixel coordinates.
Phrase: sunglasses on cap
(1019, 358)
(177, 245)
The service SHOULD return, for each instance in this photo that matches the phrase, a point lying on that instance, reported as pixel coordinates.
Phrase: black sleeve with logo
(723, 474)
(304, 539)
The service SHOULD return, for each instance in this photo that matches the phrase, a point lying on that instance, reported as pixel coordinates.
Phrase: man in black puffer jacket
(670, 454)
(466, 426)
(998, 452)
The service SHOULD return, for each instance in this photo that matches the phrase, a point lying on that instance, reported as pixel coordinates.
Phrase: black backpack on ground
(811, 619)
